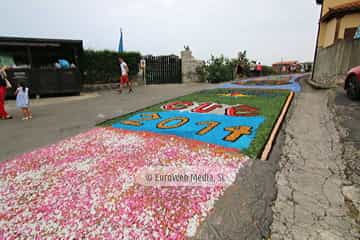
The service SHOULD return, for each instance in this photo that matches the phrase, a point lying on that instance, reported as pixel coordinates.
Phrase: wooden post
(265, 154)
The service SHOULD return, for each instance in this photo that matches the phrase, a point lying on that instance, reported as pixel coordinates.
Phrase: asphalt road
(348, 116)
(55, 119)
(312, 190)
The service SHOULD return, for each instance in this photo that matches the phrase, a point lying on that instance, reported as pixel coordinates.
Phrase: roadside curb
(104, 86)
(319, 86)
(99, 87)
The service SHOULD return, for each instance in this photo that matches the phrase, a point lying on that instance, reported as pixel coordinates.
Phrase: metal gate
(163, 69)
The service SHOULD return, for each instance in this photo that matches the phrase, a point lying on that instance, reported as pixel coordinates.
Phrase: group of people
(290, 68)
(22, 97)
(256, 69)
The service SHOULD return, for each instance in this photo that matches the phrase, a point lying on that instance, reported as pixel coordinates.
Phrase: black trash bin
(39, 71)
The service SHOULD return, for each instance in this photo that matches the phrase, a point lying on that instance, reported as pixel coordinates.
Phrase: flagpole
(121, 42)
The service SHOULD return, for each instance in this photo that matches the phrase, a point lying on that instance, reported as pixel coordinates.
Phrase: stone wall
(334, 62)
(188, 67)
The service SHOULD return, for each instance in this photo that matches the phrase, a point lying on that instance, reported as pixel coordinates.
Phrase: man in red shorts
(124, 78)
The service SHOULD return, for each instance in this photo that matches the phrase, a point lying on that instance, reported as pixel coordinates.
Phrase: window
(350, 33)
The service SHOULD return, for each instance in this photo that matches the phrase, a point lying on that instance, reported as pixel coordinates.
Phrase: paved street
(58, 118)
(348, 117)
(310, 202)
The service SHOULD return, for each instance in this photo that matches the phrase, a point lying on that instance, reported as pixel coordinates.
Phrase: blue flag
(121, 43)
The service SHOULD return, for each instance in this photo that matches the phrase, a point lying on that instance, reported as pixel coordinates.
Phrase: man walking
(124, 78)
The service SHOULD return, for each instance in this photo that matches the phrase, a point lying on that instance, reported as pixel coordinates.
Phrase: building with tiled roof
(339, 19)
(338, 41)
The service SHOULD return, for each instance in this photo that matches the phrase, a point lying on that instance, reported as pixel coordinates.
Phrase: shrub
(243, 61)
(217, 69)
(221, 69)
(202, 73)
(102, 66)
(267, 70)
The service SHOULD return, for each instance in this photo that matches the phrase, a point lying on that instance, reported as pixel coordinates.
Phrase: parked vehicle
(352, 83)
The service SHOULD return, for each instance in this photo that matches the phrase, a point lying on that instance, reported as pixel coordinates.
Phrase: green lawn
(269, 103)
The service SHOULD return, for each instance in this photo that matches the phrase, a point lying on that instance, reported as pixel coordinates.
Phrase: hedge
(268, 70)
(103, 67)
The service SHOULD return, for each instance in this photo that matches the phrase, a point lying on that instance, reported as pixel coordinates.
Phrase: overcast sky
(270, 30)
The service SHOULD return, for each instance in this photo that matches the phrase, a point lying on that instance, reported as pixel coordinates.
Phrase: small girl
(22, 100)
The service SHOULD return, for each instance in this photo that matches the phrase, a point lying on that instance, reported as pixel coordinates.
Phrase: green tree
(217, 69)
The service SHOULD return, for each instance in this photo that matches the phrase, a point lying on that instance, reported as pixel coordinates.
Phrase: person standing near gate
(124, 78)
(4, 84)
(259, 69)
(252, 69)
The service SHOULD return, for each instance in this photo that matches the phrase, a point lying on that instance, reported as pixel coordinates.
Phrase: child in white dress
(22, 101)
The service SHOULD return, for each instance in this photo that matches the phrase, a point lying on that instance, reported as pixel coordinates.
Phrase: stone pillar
(188, 67)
